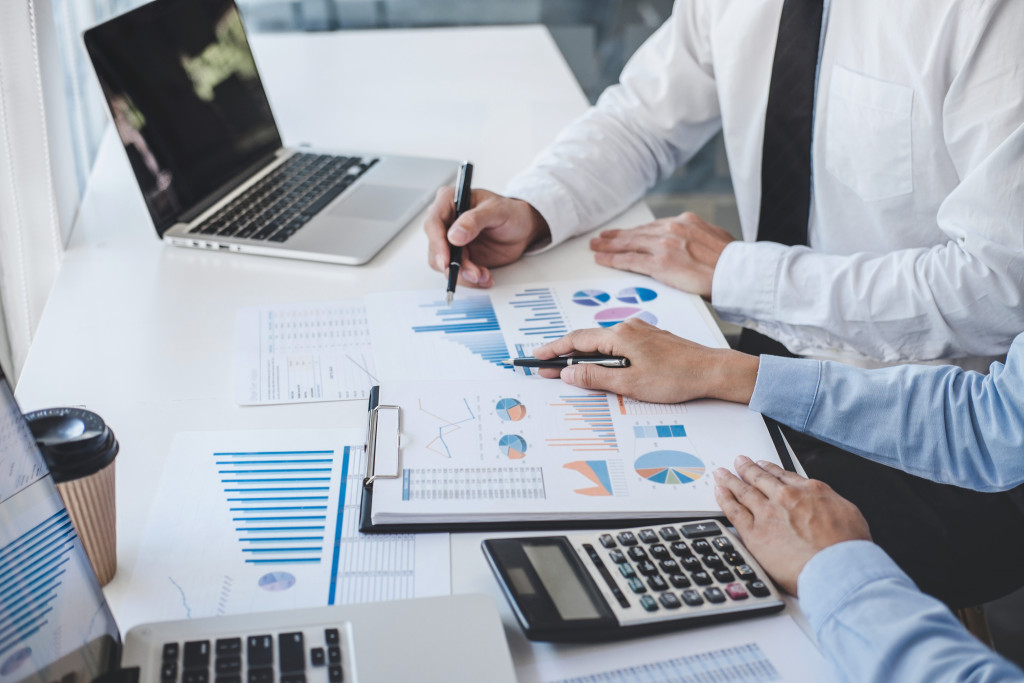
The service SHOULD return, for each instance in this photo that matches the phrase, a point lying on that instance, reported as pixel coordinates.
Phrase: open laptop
(55, 626)
(188, 104)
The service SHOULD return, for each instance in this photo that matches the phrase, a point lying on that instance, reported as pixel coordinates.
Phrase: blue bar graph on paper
(543, 317)
(472, 323)
(31, 571)
(658, 431)
(278, 503)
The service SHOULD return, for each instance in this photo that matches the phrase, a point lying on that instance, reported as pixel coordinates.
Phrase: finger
(638, 239)
(594, 377)
(785, 476)
(470, 224)
(751, 498)
(631, 261)
(754, 474)
(587, 340)
(739, 515)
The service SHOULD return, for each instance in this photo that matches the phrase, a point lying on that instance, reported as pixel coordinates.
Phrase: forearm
(873, 624)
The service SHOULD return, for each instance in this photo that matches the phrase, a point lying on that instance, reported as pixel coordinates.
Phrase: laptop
(55, 626)
(188, 104)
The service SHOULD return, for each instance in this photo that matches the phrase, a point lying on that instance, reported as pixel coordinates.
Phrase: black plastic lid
(74, 442)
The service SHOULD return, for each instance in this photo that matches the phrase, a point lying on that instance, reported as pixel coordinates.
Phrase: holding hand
(663, 368)
(785, 519)
(494, 232)
(681, 251)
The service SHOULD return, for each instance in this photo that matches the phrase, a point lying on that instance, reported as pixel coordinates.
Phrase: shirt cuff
(786, 389)
(835, 574)
(553, 203)
(744, 282)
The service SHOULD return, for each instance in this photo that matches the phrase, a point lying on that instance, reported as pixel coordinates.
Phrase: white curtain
(38, 188)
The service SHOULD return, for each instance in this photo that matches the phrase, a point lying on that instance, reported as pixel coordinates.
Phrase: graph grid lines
(740, 664)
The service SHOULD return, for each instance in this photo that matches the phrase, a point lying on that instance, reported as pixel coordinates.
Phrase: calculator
(602, 585)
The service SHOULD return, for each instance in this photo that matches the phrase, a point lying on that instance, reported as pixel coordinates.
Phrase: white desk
(143, 333)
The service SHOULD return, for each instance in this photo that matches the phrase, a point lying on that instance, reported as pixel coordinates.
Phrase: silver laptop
(188, 104)
(55, 626)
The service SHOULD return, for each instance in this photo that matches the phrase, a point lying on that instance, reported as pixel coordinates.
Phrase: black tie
(786, 161)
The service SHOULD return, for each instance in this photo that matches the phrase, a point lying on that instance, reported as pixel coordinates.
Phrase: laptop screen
(186, 100)
(55, 626)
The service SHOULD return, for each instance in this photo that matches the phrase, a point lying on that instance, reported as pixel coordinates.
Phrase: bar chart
(588, 419)
(470, 322)
(541, 315)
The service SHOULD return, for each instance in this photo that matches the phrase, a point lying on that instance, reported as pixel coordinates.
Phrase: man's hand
(663, 368)
(681, 251)
(494, 232)
(784, 519)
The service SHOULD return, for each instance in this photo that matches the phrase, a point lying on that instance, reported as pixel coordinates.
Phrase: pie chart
(591, 297)
(513, 446)
(636, 295)
(669, 467)
(510, 410)
(276, 581)
(614, 316)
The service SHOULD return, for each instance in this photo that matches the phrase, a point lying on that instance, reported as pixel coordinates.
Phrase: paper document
(261, 520)
(750, 651)
(423, 338)
(303, 352)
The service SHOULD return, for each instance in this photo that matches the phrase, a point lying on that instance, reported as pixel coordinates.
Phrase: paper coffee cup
(80, 450)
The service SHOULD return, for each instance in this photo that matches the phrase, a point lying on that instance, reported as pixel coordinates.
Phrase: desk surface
(144, 334)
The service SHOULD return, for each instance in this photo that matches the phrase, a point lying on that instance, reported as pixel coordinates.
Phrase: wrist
(733, 375)
(540, 231)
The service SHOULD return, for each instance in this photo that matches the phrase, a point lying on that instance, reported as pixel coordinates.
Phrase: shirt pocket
(868, 135)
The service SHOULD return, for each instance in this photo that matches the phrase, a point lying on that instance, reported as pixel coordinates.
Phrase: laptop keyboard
(285, 199)
(284, 658)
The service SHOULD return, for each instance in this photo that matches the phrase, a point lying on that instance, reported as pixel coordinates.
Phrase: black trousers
(964, 547)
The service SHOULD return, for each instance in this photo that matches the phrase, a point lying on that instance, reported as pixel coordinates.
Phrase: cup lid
(74, 442)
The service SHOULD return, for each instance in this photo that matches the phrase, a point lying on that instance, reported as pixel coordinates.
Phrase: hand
(681, 251)
(663, 368)
(784, 519)
(494, 232)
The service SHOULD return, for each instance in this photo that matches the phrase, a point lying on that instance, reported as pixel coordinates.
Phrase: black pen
(564, 361)
(462, 190)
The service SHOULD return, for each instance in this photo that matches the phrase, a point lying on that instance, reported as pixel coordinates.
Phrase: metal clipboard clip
(383, 440)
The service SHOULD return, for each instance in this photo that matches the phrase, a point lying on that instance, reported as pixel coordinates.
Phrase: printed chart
(739, 664)
(473, 483)
(588, 417)
(608, 477)
(669, 467)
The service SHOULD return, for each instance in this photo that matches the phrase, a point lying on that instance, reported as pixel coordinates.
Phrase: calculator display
(561, 581)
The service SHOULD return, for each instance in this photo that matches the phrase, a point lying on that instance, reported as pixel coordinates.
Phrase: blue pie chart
(277, 581)
(614, 316)
(513, 446)
(591, 297)
(636, 295)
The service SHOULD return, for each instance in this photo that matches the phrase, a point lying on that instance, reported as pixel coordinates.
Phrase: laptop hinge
(227, 188)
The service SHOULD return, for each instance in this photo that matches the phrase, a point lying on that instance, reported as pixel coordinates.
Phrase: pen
(563, 361)
(462, 190)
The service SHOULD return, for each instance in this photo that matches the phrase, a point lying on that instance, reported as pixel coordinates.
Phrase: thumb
(473, 222)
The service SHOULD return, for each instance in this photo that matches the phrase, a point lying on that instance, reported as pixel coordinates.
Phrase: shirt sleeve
(958, 298)
(873, 624)
(662, 111)
(942, 423)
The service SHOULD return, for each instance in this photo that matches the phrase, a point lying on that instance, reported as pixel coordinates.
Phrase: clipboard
(384, 461)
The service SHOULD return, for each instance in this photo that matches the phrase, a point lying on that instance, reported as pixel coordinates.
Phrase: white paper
(417, 336)
(255, 520)
(303, 352)
(750, 651)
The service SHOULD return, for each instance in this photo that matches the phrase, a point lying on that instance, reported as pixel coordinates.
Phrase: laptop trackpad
(376, 202)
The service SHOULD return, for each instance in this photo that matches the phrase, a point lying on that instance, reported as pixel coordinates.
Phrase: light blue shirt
(940, 423)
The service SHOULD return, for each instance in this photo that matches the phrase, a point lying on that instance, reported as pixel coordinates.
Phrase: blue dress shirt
(938, 422)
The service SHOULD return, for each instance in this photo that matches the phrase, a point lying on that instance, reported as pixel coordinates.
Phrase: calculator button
(680, 549)
(607, 541)
(648, 536)
(714, 594)
(332, 636)
(701, 578)
(197, 654)
(669, 566)
(668, 533)
(637, 554)
(170, 651)
(293, 678)
(292, 652)
(703, 547)
(259, 651)
(657, 583)
(736, 591)
(722, 543)
(679, 580)
(335, 674)
(713, 561)
(196, 676)
(724, 576)
(701, 529)
(617, 557)
(745, 573)
(691, 564)
(646, 568)
(627, 571)
(659, 552)
(692, 598)
(229, 664)
(637, 586)
(334, 654)
(169, 670)
(228, 646)
(648, 603)
(733, 558)
(758, 589)
(670, 601)
(627, 538)
(317, 656)
(605, 574)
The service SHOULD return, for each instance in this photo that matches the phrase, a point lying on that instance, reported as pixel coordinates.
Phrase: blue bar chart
(472, 323)
(541, 316)
(658, 431)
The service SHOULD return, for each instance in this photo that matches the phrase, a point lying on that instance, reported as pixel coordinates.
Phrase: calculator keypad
(672, 569)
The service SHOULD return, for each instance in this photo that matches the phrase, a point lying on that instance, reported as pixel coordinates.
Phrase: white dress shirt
(917, 220)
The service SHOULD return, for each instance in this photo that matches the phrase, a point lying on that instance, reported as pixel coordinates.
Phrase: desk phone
(593, 585)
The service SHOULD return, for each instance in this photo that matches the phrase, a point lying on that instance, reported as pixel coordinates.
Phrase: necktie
(786, 159)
